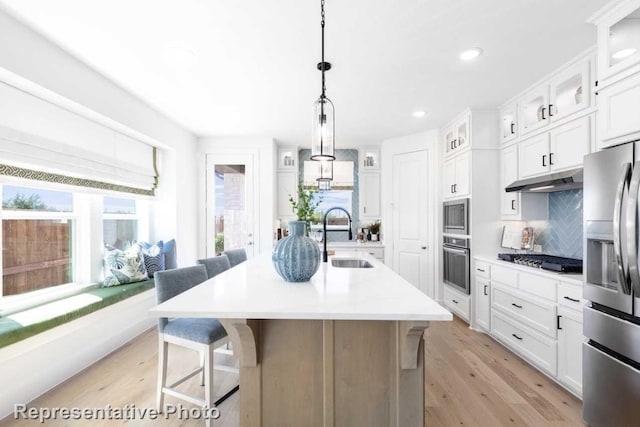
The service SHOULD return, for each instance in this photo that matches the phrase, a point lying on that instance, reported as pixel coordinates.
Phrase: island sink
(350, 263)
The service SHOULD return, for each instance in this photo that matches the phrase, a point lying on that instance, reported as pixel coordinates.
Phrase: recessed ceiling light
(470, 54)
(624, 53)
(419, 114)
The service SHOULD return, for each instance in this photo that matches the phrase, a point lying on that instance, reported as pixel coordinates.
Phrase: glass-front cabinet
(508, 123)
(569, 91)
(618, 37)
(457, 137)
(534, 112)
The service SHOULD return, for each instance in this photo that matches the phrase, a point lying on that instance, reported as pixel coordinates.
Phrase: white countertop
(574, 278)
(253, 290)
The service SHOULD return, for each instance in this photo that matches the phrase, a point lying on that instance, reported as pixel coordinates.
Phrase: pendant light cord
(322, 25)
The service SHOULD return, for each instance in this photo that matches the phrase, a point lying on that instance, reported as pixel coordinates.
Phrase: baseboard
(33, 366)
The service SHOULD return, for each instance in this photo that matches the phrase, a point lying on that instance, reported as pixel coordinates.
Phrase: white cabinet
(618, 37)
(570, 341)
(287, 184)
(563, 147)
(456, 174)
(566, 93)
(369, 158)
(457, 137)
(369, 193)
(618, 107)
(457, 302)
(482, 290)
(508, 122)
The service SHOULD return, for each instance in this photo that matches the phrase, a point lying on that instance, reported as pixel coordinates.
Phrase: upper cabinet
(618, 81)
(509, 122)
(564, 94)
(369, 158)
(618, 37)
(457, 136)
(456, 174)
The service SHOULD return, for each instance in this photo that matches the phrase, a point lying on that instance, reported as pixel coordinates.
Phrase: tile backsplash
(562, 234)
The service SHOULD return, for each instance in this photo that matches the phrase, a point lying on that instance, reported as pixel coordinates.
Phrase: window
(37, 239)
(120, 222)
(334, 198)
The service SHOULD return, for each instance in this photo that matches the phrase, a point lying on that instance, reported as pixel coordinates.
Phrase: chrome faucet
(324, 230)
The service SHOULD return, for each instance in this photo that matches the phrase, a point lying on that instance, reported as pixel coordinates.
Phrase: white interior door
(410, 218)
(231, 213)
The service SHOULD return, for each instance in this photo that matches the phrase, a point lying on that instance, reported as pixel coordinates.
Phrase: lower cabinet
(457, 302)
(570, 341)
(483, 303)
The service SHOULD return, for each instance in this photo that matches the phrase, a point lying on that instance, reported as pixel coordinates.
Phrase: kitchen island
(345, 349)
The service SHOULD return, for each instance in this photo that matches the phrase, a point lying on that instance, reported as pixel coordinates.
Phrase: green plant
(374, 228)
(305, 207)
(20, 201)
(219, 243)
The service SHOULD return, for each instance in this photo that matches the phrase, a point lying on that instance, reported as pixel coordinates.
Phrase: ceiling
(254, 68)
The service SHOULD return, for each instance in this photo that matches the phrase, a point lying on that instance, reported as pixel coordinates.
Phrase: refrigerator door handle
(632, 229)
(621, 266)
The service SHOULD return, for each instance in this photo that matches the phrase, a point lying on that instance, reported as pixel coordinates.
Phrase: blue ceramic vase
(296, 257)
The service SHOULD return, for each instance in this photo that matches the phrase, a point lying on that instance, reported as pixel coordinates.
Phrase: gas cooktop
(546, 262)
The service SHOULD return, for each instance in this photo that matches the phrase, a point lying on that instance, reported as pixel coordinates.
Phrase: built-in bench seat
(22, 325)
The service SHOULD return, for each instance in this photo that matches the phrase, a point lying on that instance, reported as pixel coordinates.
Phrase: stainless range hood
(558, 181)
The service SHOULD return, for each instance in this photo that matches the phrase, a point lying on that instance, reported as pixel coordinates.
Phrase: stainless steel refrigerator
(611, 357)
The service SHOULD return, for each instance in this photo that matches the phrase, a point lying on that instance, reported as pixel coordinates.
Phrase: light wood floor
(471, 381)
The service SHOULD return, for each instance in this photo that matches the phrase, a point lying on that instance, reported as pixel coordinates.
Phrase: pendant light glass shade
(326, 175)
(323, 131)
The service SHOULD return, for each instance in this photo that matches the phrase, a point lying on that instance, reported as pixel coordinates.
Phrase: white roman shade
(43, 141)
(342, 174)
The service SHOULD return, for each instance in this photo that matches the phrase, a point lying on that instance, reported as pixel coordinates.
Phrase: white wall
(30, 61)
(262, 149)
(406, 144)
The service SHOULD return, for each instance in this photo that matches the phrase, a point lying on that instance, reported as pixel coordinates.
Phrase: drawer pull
(454, 301)
(571, 299)
(480, 270)
(516, 305)
(516, 337)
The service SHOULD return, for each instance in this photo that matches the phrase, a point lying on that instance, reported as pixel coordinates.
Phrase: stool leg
(162, 371)
(202, 366)
(208, 387)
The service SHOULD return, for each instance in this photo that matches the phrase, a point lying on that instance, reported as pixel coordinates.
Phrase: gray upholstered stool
(215, 265)
(200, 334)
(236, 256)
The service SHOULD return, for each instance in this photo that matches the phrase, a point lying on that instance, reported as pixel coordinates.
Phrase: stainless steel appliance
(611, 357)
(545, 262)
(455, 216)
(455, 251)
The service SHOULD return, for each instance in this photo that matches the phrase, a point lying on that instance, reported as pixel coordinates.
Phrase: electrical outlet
(537, 248)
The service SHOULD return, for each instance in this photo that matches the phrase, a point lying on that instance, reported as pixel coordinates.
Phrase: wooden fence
(36, 254)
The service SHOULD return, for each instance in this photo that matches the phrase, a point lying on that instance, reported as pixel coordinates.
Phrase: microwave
(455, 217)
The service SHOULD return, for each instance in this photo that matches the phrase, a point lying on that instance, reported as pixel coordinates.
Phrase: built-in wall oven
(455, 217)
(455, 255)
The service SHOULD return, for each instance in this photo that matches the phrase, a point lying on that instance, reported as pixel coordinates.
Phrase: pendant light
(326, 175)
(322, 128)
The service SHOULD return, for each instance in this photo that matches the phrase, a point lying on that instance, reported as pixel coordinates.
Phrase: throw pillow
(153, 256)
(170, 255)
(122, 267)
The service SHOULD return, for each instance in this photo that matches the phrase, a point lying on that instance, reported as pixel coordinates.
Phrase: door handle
(558, 322)
(544, 163)
(513, 204)
(364, 210)
(550, 110)
(451, 190)
(451, 144)
(571, 299)
(454, 301)
(455, 143)
(455, 188)
(516, 305)
(517, 337)
(485, 290)
(623, 274)
(632, 228)
(551, 159)
(513, 128)
(542, 115)
(424, 248)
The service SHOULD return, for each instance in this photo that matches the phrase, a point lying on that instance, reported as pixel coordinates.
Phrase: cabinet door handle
(513, 128)
(550, 110)
(571, 299)
(551, 159)
(544, 162)
(451, 144)
(516, 305)
(516, 337)
(455, 188)
(364, 210)
(455, 143)
(454, 301)
(558, 322)
(543, 110)
(513, 204)
(451, 190)
(485, 290)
